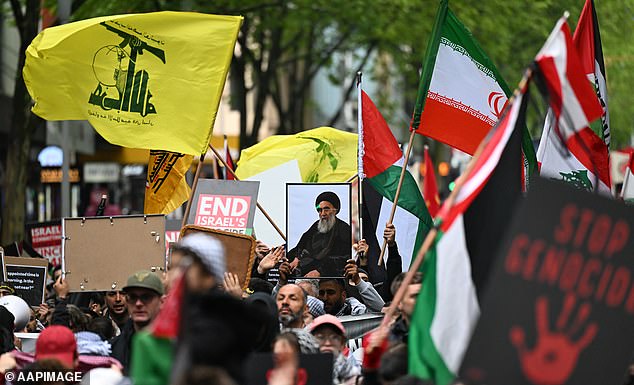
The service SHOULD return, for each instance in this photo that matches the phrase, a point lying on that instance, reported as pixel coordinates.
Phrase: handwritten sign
(28, 277)
(560, 306)
(225, 205)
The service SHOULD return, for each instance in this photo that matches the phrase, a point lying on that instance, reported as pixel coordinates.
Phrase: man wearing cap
(144, 290)
(331, 336)
(326, 245)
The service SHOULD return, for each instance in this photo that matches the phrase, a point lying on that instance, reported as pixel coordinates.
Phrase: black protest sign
(560, 306)
(28, 277)
(314, 369)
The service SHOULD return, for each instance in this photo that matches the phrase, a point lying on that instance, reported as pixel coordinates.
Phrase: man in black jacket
(144, 291)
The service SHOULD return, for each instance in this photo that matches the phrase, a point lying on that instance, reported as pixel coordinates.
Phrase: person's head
(97, 303)
(406, 306)
(315, 308)
(286, 343)
(6, 288)
(116, 304)
(327, 204)
(143, 296)
(7, 322)
(203, 257)
(78, 320)
(259, 285)
(310, 286)
(57, 272)
(57, 342)
(101, 326)
(393, 363)
(333, 293)
(291, 305)
(330, 334)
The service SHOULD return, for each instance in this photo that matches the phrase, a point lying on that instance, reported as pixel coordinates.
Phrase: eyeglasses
(324, 209)
(327, 337)
(145, 298)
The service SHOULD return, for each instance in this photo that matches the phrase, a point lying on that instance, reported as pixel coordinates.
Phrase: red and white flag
(569, 150)
(627, 192)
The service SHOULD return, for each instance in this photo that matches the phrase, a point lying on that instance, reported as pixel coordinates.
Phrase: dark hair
(98, 297)
(394, 363)
(101, 326)
(289, 337)
(48, 365)
(204, 375)
(418, 278)
(339, 281)
(260, 285)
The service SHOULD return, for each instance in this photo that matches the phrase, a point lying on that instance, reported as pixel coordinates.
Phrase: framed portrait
(318, 227)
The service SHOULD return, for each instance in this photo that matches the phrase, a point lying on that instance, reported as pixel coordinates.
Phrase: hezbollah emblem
(119, 86)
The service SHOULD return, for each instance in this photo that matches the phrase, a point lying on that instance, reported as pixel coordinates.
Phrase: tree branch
(336, 116)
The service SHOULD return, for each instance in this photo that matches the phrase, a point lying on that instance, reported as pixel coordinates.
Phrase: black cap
(329, 196)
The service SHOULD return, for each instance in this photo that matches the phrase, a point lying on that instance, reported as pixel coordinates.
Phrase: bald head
(291, 304)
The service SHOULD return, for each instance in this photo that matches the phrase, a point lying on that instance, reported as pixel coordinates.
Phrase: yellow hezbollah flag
(324, 154)
(150, 80)
(165, 187)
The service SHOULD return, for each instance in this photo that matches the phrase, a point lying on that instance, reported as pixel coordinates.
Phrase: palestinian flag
(383, 161)
(569, 150)
(457, 266)
(587, 40)
(461, 94)
(627, 192)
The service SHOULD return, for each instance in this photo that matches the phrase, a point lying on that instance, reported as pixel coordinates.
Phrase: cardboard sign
(224, 205)
(316, 369)
(100, 253)
(559, 308)
(46, 239)
(239, 250)
(325, 251)
(28, 277)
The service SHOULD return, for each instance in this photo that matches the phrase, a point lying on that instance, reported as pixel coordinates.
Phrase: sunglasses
(145, 297)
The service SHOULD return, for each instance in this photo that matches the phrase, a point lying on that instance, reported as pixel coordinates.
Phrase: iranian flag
(627, 192)
(457, 265)
(569, 150)
(461, 94)
(383, 162)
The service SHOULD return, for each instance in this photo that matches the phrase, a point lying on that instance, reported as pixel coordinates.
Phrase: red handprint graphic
(555, 355)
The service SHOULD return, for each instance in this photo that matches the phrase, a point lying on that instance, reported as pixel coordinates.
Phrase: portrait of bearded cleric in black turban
(318, 227)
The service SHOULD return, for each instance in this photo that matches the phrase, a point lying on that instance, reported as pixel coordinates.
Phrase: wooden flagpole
(230, 170)
(398, 192)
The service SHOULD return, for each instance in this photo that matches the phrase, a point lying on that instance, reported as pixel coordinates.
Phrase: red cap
(327, 319)
(57, 342)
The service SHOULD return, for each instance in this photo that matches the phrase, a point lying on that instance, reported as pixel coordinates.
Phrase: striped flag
(457, 266)
(461, 93)
(627, 192)
(587, 40)
(383, 161)
(569, 149)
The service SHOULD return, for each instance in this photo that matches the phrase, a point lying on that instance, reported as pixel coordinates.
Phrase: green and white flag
(461, 93)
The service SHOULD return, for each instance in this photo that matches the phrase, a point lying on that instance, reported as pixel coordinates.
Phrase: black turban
(329, 196)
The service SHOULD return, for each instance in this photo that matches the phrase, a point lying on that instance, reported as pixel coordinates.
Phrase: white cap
(208, 249)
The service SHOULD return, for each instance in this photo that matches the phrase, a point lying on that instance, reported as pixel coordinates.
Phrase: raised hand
(232, 285)
(390, 234)
(351, 271)
(271, 259)
(554, 357)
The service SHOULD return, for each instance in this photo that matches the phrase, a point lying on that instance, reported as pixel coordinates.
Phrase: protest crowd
(523, 275)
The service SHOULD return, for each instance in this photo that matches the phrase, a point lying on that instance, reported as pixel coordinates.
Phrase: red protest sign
(46, 239)
(223, 212)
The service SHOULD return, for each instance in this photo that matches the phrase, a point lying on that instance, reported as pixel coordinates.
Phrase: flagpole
(235, 177)
(420, 256)
(398, 192)
(193, 190)
(360, 154)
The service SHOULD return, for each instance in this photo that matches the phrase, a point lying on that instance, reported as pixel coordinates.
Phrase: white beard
(325, 225)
